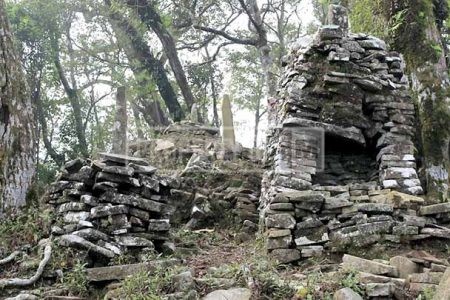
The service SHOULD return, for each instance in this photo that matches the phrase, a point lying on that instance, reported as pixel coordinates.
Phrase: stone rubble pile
(401, 277)
(111, 206)
(343, 97)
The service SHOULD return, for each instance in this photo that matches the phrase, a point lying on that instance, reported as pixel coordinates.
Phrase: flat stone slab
(435, 209)
(71, 240)
(122, 271)
(136, 201)
(363, 265)
(231, 294)
(123, 159)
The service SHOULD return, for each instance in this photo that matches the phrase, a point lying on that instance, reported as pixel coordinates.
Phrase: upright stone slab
(338, 15)
(195, 114)
(228, 136)
(120, 123)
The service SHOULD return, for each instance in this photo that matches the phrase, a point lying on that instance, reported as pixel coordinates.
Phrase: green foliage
(76, 280)
(146, 285)
(268, 281)
(369, 16)
(25, 228)
(123, 259)
(427, 294)
(350, 280)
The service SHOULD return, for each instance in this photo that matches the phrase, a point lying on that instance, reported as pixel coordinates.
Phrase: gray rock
(284, 256)
(123, 159)
(374, 208)
(275, 233)
(280, 221)
(373, 43)
(84, 224)
(119, 170)
(363, 265)
(89, 200)
(136, 201)
(133, 241)
(91, 234)
(346, 294)
(103, 176)
(138, 213)
(311, 251)
(369, 85)
(435, 209)
(436, 232)
(279, 242)
(71, 206)
(330, 32)
(158, 225)
(231, 294)
(74, 166)
(183, 282)
(426, 277)
(70, 240)
(379, 289)
(122, 271)
(108, 210)
(405, 230)
(139, 169)
(443, 290)
(404, 265)
(75, 217)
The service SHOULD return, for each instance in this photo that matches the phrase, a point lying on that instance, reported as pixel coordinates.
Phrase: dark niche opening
(346, 162)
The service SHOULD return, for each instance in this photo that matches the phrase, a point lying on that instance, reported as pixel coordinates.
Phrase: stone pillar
(228, 137)
(194, 114)
(120, 123)
(338, 15)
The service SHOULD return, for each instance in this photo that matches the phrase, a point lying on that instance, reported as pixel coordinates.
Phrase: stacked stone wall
(347, 92)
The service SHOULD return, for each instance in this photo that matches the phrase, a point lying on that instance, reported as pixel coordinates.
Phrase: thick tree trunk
(17, 125)
(142, 59)
(151, 18)
(120, 123)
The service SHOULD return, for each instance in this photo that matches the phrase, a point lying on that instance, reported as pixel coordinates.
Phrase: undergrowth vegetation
(25, 228)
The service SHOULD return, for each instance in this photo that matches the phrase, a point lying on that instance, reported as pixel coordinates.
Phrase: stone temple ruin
(353, 90)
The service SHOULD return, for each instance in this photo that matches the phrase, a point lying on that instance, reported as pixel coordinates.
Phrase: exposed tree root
(19, 282)
(10, 258)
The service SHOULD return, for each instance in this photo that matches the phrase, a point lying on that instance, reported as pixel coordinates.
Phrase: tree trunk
(72, 94)
(142, 59)
(264, 49)
(36, 98)
(152, 19)
(17, 126)
(121, 123)
(214, 96)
